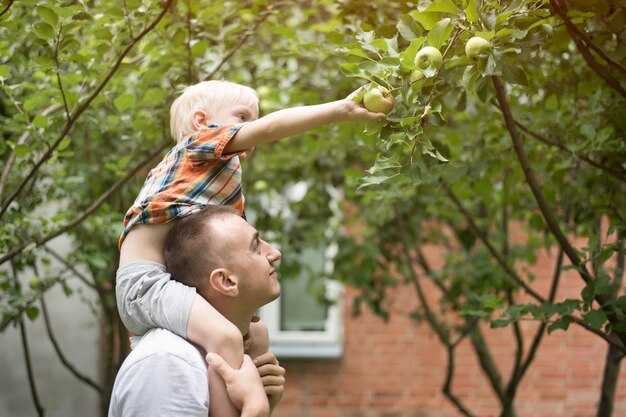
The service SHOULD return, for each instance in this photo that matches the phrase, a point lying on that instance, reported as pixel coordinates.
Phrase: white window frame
(307, 344)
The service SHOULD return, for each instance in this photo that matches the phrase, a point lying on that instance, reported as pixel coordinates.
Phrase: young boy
(213, 122)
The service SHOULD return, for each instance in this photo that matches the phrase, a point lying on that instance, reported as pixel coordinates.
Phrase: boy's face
(233, 113)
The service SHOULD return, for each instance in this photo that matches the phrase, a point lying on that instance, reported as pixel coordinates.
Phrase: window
(300, 325)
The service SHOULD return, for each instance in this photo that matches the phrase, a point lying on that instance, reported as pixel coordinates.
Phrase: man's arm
(296, 120)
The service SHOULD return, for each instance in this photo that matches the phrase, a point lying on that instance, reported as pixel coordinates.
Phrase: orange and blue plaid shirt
(192, 175)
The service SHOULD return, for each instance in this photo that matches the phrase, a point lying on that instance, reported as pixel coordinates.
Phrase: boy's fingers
(271, 369)
(267, 357)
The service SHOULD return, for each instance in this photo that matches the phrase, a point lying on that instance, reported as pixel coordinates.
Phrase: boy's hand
(272, 376)
(257, 341)
(356, 111)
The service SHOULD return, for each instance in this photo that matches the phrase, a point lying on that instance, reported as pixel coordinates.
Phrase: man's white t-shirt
(164, 375)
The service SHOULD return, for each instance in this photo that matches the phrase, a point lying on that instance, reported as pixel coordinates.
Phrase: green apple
(427, 57)
(378, 100)
(475, 47)
(261, 185)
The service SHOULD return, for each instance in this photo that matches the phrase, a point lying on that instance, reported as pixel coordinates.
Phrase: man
(223, 257)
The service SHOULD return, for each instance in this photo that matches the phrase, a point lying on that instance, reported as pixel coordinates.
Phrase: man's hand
(272, 376)
(244, 386)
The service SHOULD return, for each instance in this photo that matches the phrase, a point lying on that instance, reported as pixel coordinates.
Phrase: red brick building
(397, 369)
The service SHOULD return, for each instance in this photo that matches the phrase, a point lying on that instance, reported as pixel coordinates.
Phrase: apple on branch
(429, 60)
(378, 100)
(476, 47)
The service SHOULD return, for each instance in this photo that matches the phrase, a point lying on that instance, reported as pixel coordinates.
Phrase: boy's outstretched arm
(296, 120)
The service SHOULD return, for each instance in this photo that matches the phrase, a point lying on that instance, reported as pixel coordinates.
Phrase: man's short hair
(208, 96)
(191, 249)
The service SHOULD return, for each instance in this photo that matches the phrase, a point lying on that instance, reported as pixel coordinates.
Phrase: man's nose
(273, 254)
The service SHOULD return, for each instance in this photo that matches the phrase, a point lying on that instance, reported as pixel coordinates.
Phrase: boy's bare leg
(208, 328)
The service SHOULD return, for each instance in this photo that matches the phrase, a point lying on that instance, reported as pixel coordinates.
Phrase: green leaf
(380, 44)
(21, 150)
(64, 143)
(199, 48)
(5, 71)
(497, 324)
(514, 75)
(124, 102)
(440, 33)
(48, 14)
(375, 180)
(445, 6)
(383, 163)
(559, 324)
(43, 30)
(506, 32)
(32, 312)
(595, 318)
(426, 19)
(470, 11)
(406, 28)
(40, 122)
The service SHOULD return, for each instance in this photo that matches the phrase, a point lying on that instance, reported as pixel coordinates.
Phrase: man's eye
(242, 117)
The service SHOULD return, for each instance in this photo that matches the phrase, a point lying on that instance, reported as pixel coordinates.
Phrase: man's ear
(200, 119)
(222, 281)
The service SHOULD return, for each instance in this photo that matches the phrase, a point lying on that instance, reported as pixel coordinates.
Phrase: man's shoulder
(159, 343)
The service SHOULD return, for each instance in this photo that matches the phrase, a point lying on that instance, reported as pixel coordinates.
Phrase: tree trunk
(609, 382)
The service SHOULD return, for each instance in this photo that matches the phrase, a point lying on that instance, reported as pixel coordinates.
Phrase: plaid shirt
(193, 174)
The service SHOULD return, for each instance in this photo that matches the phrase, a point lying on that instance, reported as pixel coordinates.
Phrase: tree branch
(584, 38)
(483, 237)
(242, 40)
(487, 363)
(584, 51)
(22, 140)
(25, 348)
(620, 174)
(437, 327)
(6, 9)
(90, 209)
(546, 210)
(447, 387)
(81, 109)
(57, 348)
(69, 266)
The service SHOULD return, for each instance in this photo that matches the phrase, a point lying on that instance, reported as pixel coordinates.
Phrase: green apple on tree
(378, 100)
(429, 60)
(475, 47)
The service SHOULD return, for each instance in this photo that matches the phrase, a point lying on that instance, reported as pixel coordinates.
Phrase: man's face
(252, 260)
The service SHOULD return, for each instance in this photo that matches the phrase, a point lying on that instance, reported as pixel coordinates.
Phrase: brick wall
(397, 369)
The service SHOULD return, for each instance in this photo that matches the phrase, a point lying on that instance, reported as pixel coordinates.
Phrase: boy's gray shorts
(147, 298)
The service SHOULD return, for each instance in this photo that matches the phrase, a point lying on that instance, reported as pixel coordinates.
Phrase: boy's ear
(222, 281)
(200, 119)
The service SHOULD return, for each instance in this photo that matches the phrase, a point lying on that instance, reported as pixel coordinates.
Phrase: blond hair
(207, 96)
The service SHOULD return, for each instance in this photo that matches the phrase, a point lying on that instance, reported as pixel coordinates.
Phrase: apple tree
(509, 119)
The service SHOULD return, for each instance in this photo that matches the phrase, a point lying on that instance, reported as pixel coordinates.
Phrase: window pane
(301, 311)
